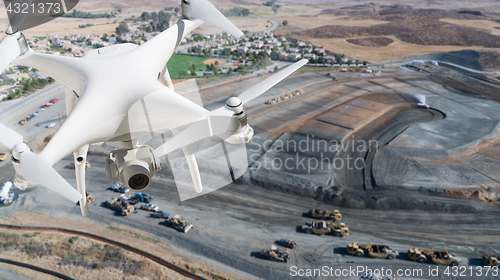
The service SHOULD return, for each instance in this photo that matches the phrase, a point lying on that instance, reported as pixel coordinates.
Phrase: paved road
(12, 112)
(273, 27)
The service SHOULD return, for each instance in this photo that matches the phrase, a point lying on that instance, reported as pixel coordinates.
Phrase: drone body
(118, 94)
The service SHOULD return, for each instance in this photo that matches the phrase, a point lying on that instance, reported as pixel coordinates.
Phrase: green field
(182, 62)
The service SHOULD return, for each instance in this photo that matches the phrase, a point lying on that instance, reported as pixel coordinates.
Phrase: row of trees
(79, 14)
(159, 21)
(28, 86)
(235, 12)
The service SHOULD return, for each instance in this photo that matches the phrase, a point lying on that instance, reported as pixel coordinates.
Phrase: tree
(193, 70)
(230, 71)
(285, 22)
(275, 68)
(365, 63)
(154, 16)
(349, 62)
(145, 16)
(122, 28)
(338, 58)
(177, 9)
(275, 9)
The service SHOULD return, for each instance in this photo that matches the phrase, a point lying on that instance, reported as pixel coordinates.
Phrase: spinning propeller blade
(215, 123)
(9, 50)
(204, 10)
(35, 168)
(8, 137)
(268, 83)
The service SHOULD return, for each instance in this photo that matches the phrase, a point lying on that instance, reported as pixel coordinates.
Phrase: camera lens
(138, 181)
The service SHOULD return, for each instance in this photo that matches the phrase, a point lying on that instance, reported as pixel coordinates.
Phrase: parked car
(50, 125)
(144, 197)
(150, 207)
(287, 243)
(119, 187)
(160, 214)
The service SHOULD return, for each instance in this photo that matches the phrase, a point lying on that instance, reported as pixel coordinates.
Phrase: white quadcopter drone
(100, 89)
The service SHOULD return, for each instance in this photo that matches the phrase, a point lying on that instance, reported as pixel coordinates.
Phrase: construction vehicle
(325, 215)
(340, 230)
(120, 205)
(179, 223)
(89, 196)
(160, 214)
(284, 96)
(374, 251)
(317, 227)
(324, 227)
(72, 165)
(491, 260)
(3, 156)
(143, 197)
(437, 257)
(275, 254)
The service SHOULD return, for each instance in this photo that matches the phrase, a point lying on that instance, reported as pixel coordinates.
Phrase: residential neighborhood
(247, 54)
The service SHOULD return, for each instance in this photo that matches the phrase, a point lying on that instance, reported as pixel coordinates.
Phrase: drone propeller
(226, 118)
(204, 10)
(9, 50)
(35, 168)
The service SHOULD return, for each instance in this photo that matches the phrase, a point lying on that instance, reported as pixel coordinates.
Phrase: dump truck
(120, 205)
(325, 215)
(491, 260)
(437, 257)
(275, 254)
(374, 251)
(324, 227)
(3, 156)
(179, 223)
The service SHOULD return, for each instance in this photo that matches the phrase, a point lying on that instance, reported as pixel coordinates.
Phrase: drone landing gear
(80, 162)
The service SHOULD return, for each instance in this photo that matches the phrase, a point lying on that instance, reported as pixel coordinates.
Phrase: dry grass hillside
(400, 31)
